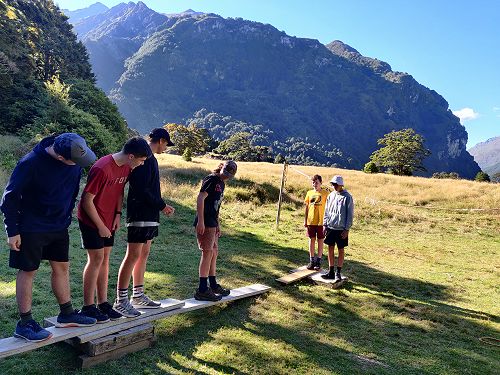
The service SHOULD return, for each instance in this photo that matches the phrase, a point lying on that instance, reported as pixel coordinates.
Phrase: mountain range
(314, 103)
(487, 155)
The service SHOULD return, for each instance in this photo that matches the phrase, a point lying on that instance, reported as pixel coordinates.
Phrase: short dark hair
(138, 147)
(317, 177)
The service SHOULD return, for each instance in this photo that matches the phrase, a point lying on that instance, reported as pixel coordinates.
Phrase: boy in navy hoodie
(37, 205)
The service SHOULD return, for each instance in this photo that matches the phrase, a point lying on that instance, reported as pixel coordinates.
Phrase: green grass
(423, 285)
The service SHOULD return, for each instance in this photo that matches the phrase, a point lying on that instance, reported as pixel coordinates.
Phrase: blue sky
(450, 46)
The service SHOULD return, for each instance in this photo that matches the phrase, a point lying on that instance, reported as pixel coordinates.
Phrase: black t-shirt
(214, 186)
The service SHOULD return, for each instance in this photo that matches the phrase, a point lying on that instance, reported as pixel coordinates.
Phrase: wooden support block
(330, 283)
(85, 361)
(295, 276)
(117, 340)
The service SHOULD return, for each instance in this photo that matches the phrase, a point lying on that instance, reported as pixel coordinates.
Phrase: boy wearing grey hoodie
(339, 213)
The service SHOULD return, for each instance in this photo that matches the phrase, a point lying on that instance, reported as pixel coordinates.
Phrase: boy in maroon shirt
(99, 214)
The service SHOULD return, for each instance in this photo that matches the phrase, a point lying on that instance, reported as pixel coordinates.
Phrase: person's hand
(104, 232)
(116, 223)
(200, 228)
(15, 242)
(168, 210)
(305, 224)
(344, 234)
(218, 232)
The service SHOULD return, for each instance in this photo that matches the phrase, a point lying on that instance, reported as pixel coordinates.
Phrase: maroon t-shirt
(106, 181)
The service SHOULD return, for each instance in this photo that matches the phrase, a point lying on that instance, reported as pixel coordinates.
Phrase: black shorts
(141, 234)
(91, 239)
(333, 237)
(37, 246)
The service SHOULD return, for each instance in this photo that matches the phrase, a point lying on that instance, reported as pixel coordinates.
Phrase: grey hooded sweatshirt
(339, 211)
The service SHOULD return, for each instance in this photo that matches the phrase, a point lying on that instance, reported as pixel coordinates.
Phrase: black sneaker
(107, 309)
(328, 276)
(338, 277)
(208, 295)
(93, 312)
(222, 291)
(317, 264)
(311, 265)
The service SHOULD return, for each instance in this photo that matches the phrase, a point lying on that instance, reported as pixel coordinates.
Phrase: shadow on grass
(411, 328)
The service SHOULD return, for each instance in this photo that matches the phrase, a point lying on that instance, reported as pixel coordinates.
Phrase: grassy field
(424, 286)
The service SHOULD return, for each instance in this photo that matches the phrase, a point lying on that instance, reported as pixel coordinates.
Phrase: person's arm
(118, 214)
(305, 214)
(75, 193)
(90, 209)
(11, 202)
(200, 212)
(327, 214)
(349, 217)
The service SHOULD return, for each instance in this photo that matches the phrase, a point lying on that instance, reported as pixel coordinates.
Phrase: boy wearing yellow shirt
(313, 221)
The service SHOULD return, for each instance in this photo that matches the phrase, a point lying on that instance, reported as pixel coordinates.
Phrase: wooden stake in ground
(280, 198)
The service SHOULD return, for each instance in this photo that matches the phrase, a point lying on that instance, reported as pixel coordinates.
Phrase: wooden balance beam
(12, 345)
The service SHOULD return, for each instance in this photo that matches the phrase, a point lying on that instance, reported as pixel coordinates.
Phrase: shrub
(371, 167)
(187, 155)
(452, 175)
(482, 177)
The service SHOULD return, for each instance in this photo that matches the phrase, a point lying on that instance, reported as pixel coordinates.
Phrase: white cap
(337, 180)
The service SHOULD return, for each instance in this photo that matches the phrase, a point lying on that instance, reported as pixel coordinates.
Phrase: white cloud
(466, 114)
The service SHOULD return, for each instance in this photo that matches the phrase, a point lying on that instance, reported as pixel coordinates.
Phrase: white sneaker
(144, 302)
(126, 309)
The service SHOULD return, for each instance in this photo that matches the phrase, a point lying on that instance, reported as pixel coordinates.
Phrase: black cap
(161, 133)
(73, 147)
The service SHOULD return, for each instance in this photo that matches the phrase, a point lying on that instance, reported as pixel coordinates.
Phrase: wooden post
(283, 178)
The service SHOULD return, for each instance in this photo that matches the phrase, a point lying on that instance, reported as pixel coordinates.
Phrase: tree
(239, 147)
(371, 167)
(482, 177)
(187, 155)
(279, 159)
(402, 153)
(189, 136)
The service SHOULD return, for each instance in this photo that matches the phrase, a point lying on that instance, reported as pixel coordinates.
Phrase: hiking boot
(107, 309)
(75, 319)
(144, 302)
(222, 291)
(126, 309)
(208, 295)
(93, 312)
(338, 277)
(31, 331)
(317, 264)
(328, 276)
(311, 264)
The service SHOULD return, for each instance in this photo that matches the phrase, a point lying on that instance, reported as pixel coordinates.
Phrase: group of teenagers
(38, 204)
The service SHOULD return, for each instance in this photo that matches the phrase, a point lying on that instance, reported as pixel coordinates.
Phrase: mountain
(487, 155)
(315, 103)
(77, 15)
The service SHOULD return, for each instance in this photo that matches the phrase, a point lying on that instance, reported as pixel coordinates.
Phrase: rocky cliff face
(298, 90)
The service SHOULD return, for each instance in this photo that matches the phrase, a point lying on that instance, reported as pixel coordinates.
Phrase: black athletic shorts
(37, 246)
(333, 237)
(91, 239)
(141, 234)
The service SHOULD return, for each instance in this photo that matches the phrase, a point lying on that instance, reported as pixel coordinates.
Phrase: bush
(452, 175)
(187, 155)
(11, 150)
(279, 159)
(371, 167)
(482, 177)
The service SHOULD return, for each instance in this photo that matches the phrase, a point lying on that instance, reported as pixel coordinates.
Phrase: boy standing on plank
(313, 221)
(37, 205)
(99, 214)
(339, 213)
(144, 204)
(208, 230)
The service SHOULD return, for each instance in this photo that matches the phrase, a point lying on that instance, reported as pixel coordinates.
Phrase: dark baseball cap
(229, 169)
(73, 147)
(161, 133)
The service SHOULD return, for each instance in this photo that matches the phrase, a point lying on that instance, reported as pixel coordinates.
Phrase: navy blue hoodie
(41, 193)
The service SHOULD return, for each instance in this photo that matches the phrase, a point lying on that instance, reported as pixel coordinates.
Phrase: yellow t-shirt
(317, 202)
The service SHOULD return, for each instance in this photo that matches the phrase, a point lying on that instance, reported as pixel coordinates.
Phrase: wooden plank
(189, 305)
(331, 283)
(295, 276)
(118, 340)
(13, 345)
(85, 361)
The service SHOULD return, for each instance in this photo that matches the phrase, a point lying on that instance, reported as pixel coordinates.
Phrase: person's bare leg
(331, 255)
(24, 290)
(128, 264)
(140, 265)
(102, 279)
(320, 247)
(205, 262)
(91, 274)
(312, 245)
(60, 281)
(213, 262)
